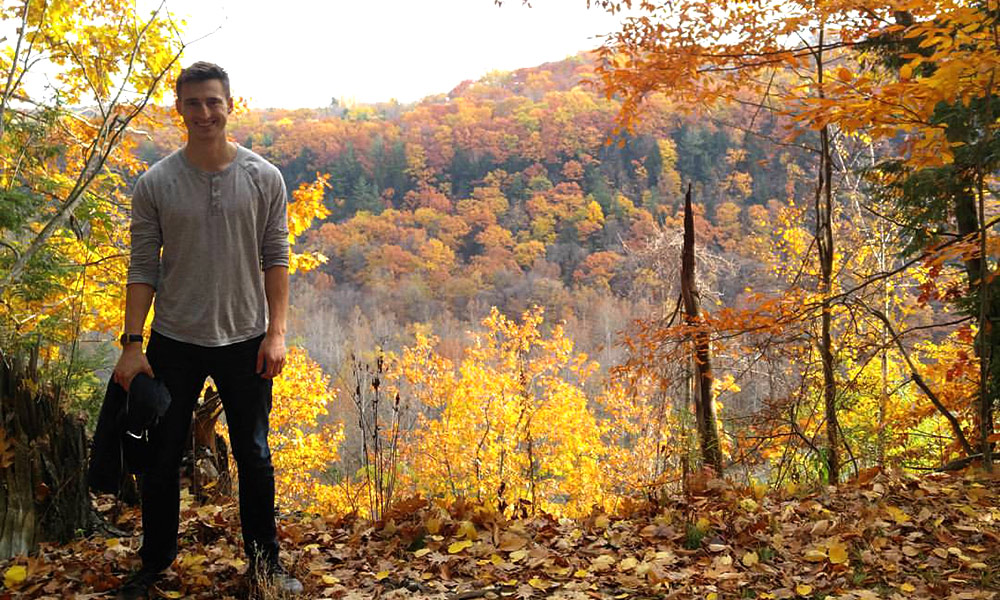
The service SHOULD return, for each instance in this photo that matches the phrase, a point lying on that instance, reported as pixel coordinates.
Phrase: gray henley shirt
(203, 239)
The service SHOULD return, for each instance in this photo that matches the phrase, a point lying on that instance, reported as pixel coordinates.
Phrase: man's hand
(131, 363)
(271, 356)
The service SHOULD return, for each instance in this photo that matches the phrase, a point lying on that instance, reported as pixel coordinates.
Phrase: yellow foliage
(510, 423)
(303, 443)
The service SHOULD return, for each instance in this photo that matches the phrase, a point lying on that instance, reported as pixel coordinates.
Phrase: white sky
(302, 53)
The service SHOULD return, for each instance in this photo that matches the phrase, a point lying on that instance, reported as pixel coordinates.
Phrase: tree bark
(980, 284)
(210, 474)
(43, 496)
(708, 428)
(824, 239)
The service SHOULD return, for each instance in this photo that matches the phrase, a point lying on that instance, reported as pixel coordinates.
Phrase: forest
(654, 319)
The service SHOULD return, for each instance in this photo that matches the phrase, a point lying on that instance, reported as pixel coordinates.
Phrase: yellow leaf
(457, 547)
(381, 575)
(330, 580)
(803, 589)
(750, 559)
(897, 515)
(538, 584)
(712, 596)
(627, 564)
(581, 573)
(15, 576)
(433, 525)
(467, 530)
(172, 594)
(601, 522)
(908, 588)
(815, 555)
(422, 552)
(192, 560)
(940, 553)
(837, 552)
(517, 555)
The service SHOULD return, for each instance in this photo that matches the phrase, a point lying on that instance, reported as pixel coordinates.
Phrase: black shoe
(274, 579)
(138, 585)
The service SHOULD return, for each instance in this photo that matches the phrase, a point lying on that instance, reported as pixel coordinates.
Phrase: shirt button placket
(215, 205)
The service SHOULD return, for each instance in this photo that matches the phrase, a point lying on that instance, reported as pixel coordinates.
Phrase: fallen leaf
(15, 576)
(467, 530)
(510, 542)
(602, 562)
(837, 552)
(539, 584)
(814, 555)
(900, 517)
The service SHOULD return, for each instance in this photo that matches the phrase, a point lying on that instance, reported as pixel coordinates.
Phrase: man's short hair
(202, 71)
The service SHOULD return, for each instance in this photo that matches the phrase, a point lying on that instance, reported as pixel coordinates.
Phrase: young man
(210, 242)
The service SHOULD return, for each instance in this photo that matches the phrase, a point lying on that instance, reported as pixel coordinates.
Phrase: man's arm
(138, 299)
(271, 356)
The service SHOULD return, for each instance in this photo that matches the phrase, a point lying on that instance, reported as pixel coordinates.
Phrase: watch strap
(128, 338)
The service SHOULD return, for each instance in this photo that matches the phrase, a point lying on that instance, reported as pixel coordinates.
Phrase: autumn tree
(702, 54)
(510, 424)
(942, 188)
(708, 428)
(303, 441)
(65, 151)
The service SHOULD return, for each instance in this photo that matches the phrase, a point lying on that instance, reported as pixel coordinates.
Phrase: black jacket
(121, 440)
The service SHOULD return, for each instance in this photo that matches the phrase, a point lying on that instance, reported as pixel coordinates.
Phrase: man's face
(205, 109)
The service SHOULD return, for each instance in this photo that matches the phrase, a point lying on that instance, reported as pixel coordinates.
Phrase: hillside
(506, 192)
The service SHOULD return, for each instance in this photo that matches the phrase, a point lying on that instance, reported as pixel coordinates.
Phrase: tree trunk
(209, 467)
(983, 287)
(708, 428)
(824, 239)
(43, 464)
(824, 227)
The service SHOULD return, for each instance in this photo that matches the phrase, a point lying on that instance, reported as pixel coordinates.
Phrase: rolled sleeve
(275, 247)
(144, 262)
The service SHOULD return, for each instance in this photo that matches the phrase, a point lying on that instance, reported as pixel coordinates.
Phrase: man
(206, 221)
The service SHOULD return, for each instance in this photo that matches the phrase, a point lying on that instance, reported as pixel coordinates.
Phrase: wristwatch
(128, 338)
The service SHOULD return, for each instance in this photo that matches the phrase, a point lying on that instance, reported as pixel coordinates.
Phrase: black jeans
(246, 399)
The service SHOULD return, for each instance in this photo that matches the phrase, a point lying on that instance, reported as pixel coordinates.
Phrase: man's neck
(210, 156)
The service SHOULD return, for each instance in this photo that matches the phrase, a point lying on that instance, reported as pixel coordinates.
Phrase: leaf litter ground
(897, 537)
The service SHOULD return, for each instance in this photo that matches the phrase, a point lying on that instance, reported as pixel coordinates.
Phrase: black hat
(148, 400)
